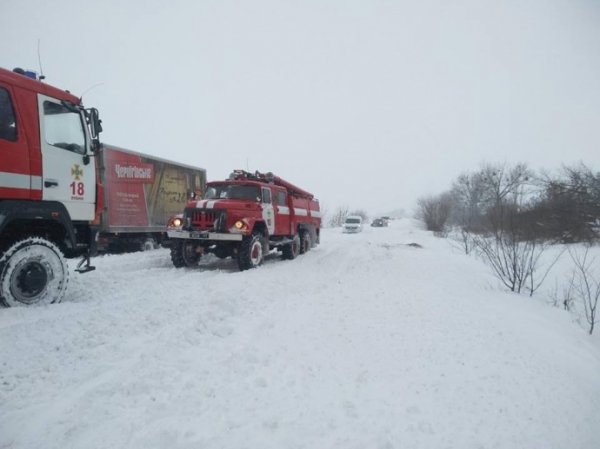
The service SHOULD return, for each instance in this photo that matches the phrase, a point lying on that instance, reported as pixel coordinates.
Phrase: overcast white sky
(369, 104)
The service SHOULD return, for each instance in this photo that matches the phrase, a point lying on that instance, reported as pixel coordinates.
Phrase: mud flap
(84, 265)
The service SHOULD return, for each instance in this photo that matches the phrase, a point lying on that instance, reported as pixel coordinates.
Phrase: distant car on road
(379, 223)
(352, 224)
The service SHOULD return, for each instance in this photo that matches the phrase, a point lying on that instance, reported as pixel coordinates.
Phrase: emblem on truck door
(77, 188)
(76, 172)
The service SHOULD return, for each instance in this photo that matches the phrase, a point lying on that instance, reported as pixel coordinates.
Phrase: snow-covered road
(364, 342)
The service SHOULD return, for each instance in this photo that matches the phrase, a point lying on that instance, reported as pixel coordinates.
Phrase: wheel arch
(311, 228)
(51, 220)
(261, 228)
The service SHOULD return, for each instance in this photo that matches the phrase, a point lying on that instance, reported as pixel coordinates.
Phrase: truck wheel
(222, 252)
(183, 253)
(314, 239)
(291, 250)
(33, 271)
(148, 245)
(251, 254)
(305, 242)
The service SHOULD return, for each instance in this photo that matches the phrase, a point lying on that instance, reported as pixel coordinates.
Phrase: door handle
(50, 183)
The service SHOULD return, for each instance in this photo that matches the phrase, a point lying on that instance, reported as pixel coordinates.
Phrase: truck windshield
(63, 128)
(353, 220)
(232, 192)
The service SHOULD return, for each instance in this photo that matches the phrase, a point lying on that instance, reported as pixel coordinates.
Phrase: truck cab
(47, 186)
(46, 154)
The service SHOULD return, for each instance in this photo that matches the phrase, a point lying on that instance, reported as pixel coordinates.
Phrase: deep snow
(364, 342)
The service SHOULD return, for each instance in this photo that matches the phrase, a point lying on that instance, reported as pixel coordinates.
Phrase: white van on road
(352, 224)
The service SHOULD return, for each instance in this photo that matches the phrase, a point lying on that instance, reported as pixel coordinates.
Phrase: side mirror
(95, 128)
(95, 123)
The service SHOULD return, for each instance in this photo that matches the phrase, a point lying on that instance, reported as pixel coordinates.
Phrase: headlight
(239, 226)
(175, 222)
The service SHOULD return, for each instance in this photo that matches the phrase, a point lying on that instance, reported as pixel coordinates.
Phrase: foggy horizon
(369, 105)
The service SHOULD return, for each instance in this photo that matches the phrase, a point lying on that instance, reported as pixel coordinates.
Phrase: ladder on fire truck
(270, 178)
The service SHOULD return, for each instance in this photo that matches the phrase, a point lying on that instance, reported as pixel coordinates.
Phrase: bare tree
(483, 200)
(534, 263)
(464, 240)
(361, 213)
(503, 237)
(468, 194)
(518, 264)
(514, 262)
(567, 297)
(434, 211)
(503, 183)
(467, 211)
(586, 284)
(338, 217)
(569, 206)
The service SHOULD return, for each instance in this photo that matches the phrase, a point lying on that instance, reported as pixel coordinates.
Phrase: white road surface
(364, 342)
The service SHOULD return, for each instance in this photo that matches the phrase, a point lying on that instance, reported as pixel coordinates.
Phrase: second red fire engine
(245, 217)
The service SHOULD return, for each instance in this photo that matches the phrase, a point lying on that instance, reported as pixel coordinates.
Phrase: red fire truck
(245, 217)
(48, 187)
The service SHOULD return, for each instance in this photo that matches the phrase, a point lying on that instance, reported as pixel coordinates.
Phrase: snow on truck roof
(269, 178)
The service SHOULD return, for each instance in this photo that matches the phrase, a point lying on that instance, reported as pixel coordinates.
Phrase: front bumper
(204, 235)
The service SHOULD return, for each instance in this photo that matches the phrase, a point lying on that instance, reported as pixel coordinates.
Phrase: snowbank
(364, 342)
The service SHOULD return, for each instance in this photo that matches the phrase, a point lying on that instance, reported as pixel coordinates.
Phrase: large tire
(291, 250)
(149, 244)
(305, 242)
(314, 239)
(223, 252)
(33, 271)
(184, 254)
(251, 253)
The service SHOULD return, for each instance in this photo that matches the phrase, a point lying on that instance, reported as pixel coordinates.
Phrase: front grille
(206, 219)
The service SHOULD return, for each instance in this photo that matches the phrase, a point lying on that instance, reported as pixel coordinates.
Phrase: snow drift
(364, 342)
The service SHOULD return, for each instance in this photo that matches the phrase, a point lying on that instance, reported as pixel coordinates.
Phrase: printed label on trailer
(134, 172)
